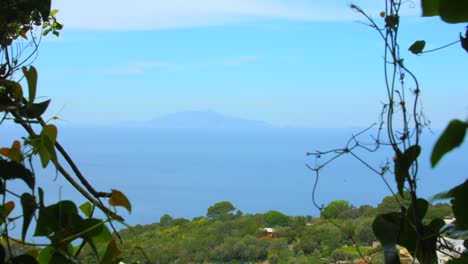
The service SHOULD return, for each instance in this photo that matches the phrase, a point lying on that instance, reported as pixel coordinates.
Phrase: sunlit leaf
(50, 131)
(46, 148)
(87, 209)
(46, 255)
(9, 207)
(119, 199)
(31, 77)
(54, 12)
(451, 138)
(5, 152)
(28, 202)
(6, 210)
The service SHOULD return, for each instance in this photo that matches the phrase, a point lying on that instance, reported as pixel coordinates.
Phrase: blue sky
(290, 63)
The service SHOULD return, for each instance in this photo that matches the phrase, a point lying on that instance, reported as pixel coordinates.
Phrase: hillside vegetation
(226, 235)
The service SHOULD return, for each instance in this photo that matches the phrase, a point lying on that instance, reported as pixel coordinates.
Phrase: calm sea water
(183, 172)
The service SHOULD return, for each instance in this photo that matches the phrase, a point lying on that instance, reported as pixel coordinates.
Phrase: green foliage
(220, 210)
(237, 240)
(338, 209)
(275, 218)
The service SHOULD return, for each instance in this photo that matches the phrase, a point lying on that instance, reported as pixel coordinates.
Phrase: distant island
(201, 119)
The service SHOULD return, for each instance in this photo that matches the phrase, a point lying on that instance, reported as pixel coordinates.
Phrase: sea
(181, 172)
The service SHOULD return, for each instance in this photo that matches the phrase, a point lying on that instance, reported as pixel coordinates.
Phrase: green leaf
(435, 226)
(403, 162)
(53, 255)
(31, 77)
(119, 199)
(58, 217)
(87, 209)
(417, 47)
(46, 255)
(34, 110)
(48, 138)
(47, 31)
(422, 206)
(28, 202)
(451, 138)
(387, 228)
(13, 170)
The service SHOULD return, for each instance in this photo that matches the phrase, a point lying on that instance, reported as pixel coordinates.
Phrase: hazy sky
(287, 62)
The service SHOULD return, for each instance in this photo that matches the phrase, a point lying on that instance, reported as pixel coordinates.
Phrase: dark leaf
(430, 7)
(421, 209)
(387, 229)
(403, 162)
(435, 226)
(2, 254)
(34, 110)
(464, 40)
(24, 259)
(451, 138)
(28, 202)
(412, 153)
(401, 171)
(451, 11)
(2, 188)
(62, 216)
(408, 236)
(13, 170)
(41, 197)
(460, 205)
(417, 47)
